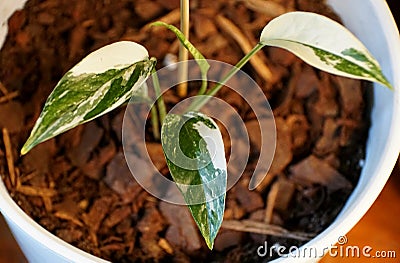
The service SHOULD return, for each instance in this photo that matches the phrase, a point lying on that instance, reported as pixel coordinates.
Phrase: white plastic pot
(373, 23)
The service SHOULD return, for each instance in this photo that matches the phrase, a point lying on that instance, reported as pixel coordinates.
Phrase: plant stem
(160, 100)
(200, 101)
(183, 52)
(203, 87)
(155, 123)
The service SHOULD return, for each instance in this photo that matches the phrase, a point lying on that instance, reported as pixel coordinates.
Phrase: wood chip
(351, 97)
(313, 170)
(69, 235)
(76, 41)
(228, 238)
(170, 18)
(12, 117)
(170, 4)
(182, 231)
(329, 140)
(97, 212)
(307, 82)
(152, 222)
(283, 152)
(118, 176)
(248, 200)
(40, 158)
(89, 139)
(267, 7)
(299, 126)
(117, 216)
(93, 169)
(285, 192)
(327, 104)
(286, 99)
(253, 129)
(147, 9)
(204, 27)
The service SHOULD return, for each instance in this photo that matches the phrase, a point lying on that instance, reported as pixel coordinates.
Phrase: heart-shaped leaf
(101, 82)
(323, 43)
(194, 151)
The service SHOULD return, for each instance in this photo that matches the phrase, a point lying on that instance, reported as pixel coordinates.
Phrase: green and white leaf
(195, 155)
(200, 60)
(101, 82)
(323, 43)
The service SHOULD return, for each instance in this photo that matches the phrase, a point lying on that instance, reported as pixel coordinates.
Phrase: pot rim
(368, 192)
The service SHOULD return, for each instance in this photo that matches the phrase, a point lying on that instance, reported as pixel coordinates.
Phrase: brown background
(379, 228)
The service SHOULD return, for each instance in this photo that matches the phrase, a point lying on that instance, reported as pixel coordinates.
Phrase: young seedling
(110, 76)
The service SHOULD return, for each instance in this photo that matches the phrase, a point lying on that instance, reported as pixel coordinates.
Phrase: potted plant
(59, 124)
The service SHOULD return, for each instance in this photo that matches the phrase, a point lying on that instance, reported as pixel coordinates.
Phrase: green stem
(203, 87)
(155, 123)
(160, 101)
(200, 101)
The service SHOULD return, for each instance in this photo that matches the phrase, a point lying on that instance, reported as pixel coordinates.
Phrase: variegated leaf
(101, 82)
(194, 151)
(323, 43)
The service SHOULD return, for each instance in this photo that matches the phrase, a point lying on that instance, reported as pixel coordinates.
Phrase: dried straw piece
(48, 204)
(9, 156)
(36, 191)
(9, 96)
(271, 199)
(66, 216)
(267, 7)
(264, 229)
(163, 243)
(230, 28)
(266, 182)
(3, 89)
(17, 178)
(27, 177)
(114, 247)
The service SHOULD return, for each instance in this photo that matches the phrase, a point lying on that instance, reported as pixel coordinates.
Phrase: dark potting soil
(78, 185)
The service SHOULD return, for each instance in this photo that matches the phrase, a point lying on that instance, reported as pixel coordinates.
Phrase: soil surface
(78, 185)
